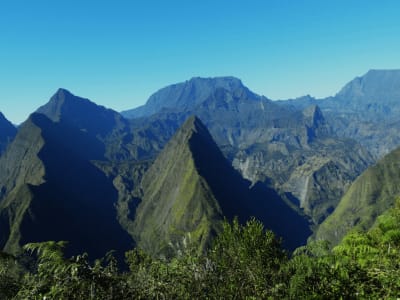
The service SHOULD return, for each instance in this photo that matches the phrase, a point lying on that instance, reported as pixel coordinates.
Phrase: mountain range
(163, 176)
(366, 109)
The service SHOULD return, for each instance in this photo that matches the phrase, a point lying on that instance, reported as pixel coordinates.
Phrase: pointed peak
(63, 95)
(62, 91)
(61, 99)
(193, 122)
(193, 125)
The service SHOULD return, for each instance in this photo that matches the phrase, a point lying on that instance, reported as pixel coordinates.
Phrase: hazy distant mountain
(187, 95)
(367, 198)
(366, 109)
(191, 187)
(7, 133)
(291, 150)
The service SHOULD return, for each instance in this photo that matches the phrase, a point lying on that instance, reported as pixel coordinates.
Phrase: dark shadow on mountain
(236, 198)
(76, 203)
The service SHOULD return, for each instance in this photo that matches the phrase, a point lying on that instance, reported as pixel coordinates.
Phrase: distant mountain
(191, 187)
(366, 109)
(276, 145)
(7, 133)
(367, 198)
(187, 95)
(376, 93)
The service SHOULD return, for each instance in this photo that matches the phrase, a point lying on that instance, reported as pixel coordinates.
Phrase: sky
(117, 53)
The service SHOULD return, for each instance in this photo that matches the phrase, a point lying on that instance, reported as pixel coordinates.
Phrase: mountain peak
(63, 92)
(381, 86)
(79, 112)
(195, 125)
(54, 108)
(189, 94)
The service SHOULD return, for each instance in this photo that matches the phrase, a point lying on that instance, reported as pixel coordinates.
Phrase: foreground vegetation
(245, 262)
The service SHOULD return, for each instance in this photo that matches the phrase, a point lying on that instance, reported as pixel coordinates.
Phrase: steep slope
(72, 173)
(123, 140)
(282, 147)
(367, 198)
(7, 133)
(191, 187)
(51, 191)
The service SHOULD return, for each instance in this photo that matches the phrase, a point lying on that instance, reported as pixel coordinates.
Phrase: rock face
(367, 198)
(7, 133)
(191, 187)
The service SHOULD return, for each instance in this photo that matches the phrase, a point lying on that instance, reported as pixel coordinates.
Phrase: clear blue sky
(117, 52)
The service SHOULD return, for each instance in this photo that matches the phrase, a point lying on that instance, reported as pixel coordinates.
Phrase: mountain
(367, 198)
(72, 173)
(191, 187)
(7, 133)
(187, 95)
(52, 191)
(51, 185)
(366, 109)
(291, 150)
(74, 161)
(377, 93)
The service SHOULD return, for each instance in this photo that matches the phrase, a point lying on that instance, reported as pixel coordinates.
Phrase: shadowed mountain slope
(290, 150)
(191, 187)
(57, 193)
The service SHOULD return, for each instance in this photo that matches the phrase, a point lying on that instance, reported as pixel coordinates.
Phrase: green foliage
(244, 262)
(9, 277)
(75, 278)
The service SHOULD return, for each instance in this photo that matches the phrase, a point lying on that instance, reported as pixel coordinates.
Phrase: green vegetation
(245, 262)
(367, 198)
